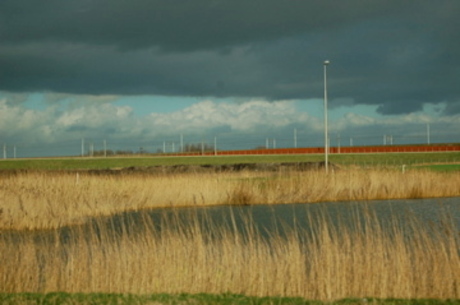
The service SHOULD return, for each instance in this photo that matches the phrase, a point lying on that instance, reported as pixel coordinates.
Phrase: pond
(266, 220)
(281, 218)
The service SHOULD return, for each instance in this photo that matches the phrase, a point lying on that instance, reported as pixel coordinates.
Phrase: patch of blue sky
(315, 108)
(30, 101)
(41, 101)
(434, 109)
(36, 101)
(364, 110)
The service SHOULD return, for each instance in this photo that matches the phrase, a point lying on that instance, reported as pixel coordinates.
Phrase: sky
(152, 75)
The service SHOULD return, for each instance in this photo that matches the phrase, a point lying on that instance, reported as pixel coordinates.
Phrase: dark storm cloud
(395, 54)
(174, 24)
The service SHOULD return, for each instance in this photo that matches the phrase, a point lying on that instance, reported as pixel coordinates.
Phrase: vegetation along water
(58, 233)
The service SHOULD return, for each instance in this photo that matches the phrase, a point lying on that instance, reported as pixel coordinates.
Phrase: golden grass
(367, 259)
(401, 259)
(40, 200)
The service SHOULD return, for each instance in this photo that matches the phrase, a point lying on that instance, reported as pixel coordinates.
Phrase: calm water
(268, 220)
(271, 219)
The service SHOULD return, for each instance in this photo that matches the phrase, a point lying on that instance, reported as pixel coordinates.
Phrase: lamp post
(326, 144)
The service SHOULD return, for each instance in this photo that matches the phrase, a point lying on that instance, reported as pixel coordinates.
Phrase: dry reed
(368, 259)
(40, 200)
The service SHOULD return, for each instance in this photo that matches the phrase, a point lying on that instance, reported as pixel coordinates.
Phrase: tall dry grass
(39, 200)
(367, 259)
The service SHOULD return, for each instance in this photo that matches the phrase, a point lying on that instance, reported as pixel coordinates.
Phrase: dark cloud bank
(394, 54)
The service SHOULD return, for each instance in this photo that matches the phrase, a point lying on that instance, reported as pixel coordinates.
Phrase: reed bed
(48, 200)
(399, 259)
(56, 234)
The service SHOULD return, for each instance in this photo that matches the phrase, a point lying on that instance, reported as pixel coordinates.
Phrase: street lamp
(326, 144)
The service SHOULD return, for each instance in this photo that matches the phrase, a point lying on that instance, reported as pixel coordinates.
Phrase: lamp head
(326, 62)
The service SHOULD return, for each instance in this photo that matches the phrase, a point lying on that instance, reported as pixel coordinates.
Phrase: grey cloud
(175, 24)
(397, 55)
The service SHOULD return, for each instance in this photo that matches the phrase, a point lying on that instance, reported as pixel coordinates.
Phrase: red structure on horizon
(336, 150)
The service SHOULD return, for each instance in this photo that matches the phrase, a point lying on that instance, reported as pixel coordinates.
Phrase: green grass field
(384, 159)
(195, 299)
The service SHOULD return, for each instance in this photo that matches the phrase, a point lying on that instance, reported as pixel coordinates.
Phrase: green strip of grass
(395, 159)
(441, 167)
(195, 299)
(388, 159)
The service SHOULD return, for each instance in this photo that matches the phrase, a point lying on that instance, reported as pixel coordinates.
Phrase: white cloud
(354, 119)
(94, 116)
(246, 116)
(57, 123)
(19, 122)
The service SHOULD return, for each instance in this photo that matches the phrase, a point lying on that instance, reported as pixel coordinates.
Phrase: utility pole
(326, 148)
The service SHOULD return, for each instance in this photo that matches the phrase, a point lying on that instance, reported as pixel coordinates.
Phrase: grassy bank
(194, 299)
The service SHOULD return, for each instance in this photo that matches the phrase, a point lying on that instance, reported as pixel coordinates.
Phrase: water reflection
(265, 220)
(269, 217)
(282, 220)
